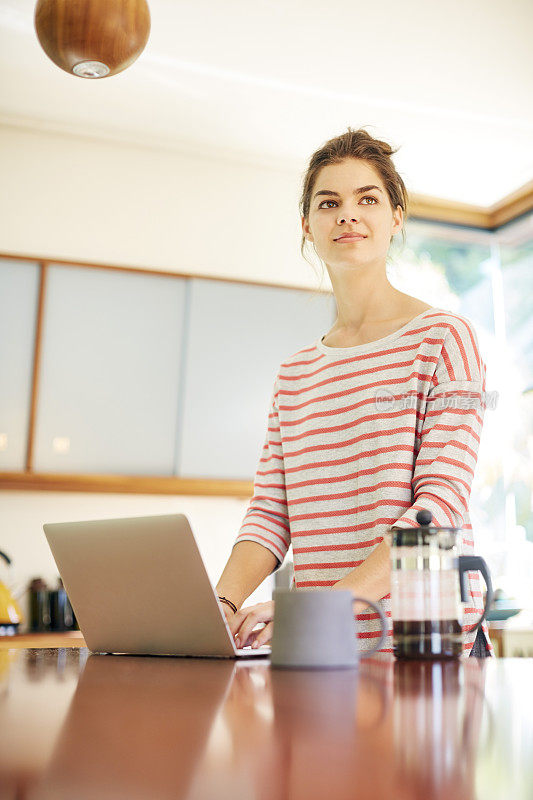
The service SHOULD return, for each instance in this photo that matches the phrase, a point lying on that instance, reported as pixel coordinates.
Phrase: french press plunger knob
(424, 517)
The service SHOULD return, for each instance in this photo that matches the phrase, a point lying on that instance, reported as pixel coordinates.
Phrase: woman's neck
(365, 297)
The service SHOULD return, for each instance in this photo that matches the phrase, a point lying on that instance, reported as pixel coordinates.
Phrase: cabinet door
(237, 337)
(19, 290)
(109, 384)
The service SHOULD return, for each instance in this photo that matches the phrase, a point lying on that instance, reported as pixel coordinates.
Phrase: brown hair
(356, 144)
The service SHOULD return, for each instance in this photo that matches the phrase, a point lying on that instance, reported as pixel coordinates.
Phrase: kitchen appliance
(10, 612)
(429, 582)
(61, 613)
(39, 606)
(50, 609)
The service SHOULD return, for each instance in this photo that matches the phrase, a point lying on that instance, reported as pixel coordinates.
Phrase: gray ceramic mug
(317, 628)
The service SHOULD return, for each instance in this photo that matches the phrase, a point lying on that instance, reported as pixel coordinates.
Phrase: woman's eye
(367, 197)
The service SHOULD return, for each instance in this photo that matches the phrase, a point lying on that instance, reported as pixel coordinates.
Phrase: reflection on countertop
(92, 726)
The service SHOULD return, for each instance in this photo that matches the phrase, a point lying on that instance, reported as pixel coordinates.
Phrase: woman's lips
(351, 239)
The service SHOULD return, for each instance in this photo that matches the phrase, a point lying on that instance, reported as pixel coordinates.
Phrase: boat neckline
(359, 348)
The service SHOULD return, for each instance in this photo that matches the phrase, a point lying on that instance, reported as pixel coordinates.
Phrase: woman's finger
(263, 636)
(253, 619)
(235, 620)
(252, 637)
(262, 612)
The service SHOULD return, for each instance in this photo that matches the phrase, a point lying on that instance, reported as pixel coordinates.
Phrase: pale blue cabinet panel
(19, 291)
(237, 337)
(110, 371)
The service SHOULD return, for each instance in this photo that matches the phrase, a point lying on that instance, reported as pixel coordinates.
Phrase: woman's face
(343, 205)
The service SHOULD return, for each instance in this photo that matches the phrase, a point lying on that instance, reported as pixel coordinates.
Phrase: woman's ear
(397, 217)
(306, 231)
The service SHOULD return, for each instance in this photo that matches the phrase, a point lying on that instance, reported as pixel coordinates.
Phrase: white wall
(214, 521)
(99, 201)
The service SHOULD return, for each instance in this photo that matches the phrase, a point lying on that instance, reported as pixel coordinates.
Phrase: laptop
(139, 586)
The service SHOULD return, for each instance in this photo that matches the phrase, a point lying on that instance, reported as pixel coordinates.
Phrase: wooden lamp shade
(92, 38)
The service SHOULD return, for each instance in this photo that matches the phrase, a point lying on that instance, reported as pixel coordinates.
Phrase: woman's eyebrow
(355, 191)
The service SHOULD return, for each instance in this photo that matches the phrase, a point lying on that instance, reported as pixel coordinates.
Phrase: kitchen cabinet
(19, 290)
(143, 381)
(237, 337)
(110, 372)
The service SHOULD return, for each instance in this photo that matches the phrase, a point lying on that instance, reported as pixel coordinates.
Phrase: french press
(429, 582)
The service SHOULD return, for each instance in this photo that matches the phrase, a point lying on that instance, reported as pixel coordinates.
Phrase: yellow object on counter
(10, 611)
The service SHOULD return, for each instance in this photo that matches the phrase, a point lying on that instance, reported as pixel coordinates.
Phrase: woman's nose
(343, 219)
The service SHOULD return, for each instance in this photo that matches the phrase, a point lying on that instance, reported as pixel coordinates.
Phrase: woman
(359, 437)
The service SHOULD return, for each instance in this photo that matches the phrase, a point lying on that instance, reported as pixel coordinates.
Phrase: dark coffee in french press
(429, 581)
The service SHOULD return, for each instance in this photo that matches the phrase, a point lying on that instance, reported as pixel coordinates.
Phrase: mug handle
(472, 563)
(382, 620)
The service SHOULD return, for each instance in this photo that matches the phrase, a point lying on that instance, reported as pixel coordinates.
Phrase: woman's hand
(244, 621)
(228, 612)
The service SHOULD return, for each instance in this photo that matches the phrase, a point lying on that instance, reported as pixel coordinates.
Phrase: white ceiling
(268, 81)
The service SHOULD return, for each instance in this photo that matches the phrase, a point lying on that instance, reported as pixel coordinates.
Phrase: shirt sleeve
(267, 519)
(449, 430)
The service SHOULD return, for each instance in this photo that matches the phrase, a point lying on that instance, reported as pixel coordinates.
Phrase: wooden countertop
(97, 726)
(51, 639)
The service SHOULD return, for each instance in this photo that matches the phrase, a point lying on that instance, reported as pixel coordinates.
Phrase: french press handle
(466, 564)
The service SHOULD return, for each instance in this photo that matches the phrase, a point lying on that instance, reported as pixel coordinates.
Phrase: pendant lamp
(92, 38)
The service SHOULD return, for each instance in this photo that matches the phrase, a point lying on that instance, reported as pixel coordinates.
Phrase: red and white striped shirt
(359, 439)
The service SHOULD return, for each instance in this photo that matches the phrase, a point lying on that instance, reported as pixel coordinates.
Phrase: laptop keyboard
(250, 651)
